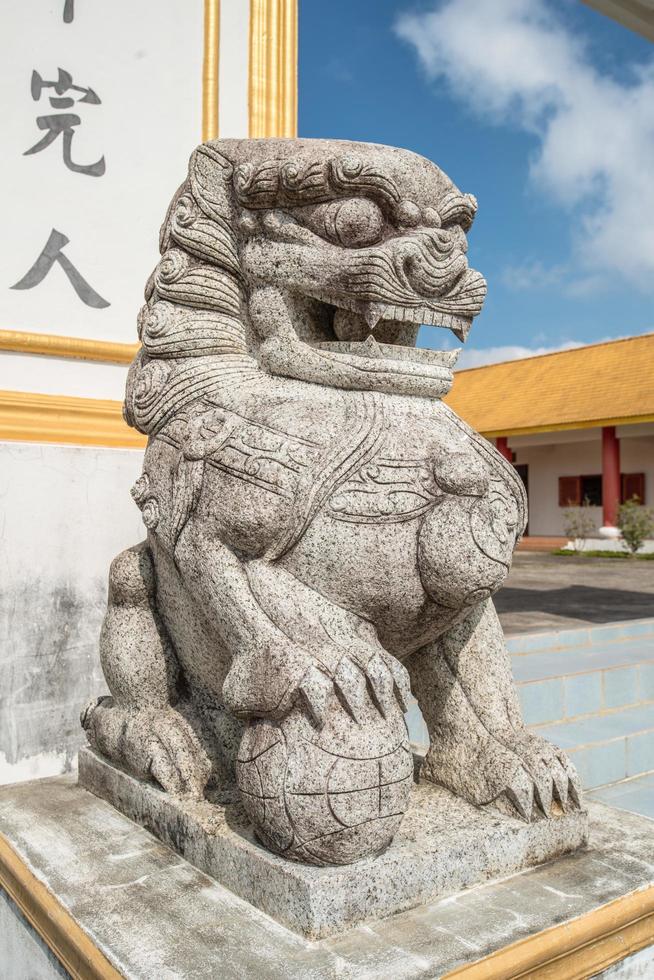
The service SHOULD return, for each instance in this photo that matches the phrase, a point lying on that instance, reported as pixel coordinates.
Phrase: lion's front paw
(545, 782)
(315, 651)
(152, 743)
(267, 682)
(529, 777)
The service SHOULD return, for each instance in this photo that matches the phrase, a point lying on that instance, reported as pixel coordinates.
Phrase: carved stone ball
(328, 796)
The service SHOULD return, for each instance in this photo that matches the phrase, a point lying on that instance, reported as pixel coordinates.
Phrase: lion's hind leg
(143, 726)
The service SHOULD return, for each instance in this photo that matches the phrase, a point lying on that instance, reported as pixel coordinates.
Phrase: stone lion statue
(324, 534)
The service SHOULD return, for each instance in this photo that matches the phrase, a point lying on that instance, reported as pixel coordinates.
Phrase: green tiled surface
(553, 663)
(601, 764)
(621, 686)
(601, 681)
(640, 753)
(591, 691)
(582, 694)
(636, 795)
(593, 677)
(600, 728)
(542, 701)
(647, 682)
(582, 636)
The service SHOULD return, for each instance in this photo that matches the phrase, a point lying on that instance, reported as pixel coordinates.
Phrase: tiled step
(580, 636)
(608, 747)
(557, 685)
(605, 748)
(589, 690)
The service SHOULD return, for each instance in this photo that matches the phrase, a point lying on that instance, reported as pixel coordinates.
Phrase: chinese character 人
(51, 253)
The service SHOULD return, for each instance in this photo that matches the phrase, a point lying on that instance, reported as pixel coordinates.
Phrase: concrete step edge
(605, 669)
(582, 636)
(603, 713)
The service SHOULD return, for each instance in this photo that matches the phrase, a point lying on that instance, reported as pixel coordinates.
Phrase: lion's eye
(354, 223)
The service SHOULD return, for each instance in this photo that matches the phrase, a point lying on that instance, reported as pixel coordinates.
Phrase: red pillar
(502, 446)
(610, 475)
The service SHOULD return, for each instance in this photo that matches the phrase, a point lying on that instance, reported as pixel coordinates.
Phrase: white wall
(23, 954)
(62, 376)
(144, 60)
(233, 68)
(576, 453)
(65, 511)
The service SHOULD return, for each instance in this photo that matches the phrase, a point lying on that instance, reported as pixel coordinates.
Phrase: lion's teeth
(373, 313)
(396, 352)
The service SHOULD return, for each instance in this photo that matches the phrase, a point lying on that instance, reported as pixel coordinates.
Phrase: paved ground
(544, 592)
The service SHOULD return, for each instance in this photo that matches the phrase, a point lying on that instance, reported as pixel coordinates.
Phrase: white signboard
(102, 106)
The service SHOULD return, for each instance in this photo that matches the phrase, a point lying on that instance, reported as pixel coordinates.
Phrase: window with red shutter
(569, 491)
(633, 485)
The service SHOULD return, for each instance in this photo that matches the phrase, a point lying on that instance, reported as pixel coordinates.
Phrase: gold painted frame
(210, 63)
(272, 111)
(56, 927)
(272, 90)
(30, 417)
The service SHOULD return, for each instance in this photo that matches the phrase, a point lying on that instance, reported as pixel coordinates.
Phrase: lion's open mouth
(380, 338)
(370, 355)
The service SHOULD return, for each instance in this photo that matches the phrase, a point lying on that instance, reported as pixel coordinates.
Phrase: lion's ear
(202, 216)
(210, 174)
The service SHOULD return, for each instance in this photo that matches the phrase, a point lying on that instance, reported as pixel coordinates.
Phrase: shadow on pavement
(593, 604)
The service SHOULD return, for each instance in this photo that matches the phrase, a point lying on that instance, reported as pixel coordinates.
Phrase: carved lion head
(320, 259)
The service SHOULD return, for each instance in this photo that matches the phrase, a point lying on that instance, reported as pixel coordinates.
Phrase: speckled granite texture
(424, 861)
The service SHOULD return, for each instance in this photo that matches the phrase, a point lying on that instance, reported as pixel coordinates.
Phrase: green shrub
(578, 523)
(636, 522)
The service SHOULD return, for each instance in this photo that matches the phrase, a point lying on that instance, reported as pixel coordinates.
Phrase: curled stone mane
(196, 328)
(195, 307)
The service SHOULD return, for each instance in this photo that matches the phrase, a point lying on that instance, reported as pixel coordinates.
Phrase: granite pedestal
(444, 844)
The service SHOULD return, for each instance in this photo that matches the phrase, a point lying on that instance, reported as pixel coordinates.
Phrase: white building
(577, 424)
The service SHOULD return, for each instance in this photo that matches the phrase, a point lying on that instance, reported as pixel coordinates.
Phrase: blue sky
(544, 110)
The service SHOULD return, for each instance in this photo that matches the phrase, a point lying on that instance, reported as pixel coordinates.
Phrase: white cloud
(471, 357)
(533, 275)
(516, 62)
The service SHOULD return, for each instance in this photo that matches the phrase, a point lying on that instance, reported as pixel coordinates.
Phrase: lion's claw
(316, 689)
(354, 683)
(545, 783)
(521, 794)
(150, 742)
(267, 682)
(381, 683)
(351, 685)
(402, 682)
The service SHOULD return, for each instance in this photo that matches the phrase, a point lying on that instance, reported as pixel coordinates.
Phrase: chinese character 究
(51, 253)
(63, 123)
